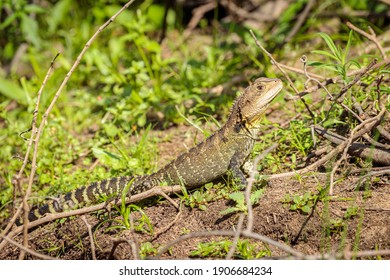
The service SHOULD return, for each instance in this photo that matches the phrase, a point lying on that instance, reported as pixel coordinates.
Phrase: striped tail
(86, 195)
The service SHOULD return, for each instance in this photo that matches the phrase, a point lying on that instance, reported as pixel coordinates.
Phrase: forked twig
(372, 37)
(91, 240)
(369, 124)
(281, 70)
(25, 249)
(365, 126)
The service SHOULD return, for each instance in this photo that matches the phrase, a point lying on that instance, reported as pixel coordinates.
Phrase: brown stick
(301, 19)
(378, 155)
(371, 36)
(26, 207)
(91, 240)
(236, 237)
(338, 78)
(281, 70)
(366, 127)
(25, 249)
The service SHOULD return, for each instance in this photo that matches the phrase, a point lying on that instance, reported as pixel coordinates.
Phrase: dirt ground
(368, 229)
(371, 230)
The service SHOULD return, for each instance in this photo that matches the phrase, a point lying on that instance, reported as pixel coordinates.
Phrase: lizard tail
(86, 195)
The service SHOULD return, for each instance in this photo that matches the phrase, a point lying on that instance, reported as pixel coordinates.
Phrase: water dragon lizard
(226, 150)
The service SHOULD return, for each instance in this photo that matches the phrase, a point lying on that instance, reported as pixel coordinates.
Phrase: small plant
(338, 55)
(213, 249)
(303, 203)
(239, 199)
(199, 199)
(351, 212)
(143, 224)
(219, 249)
(147, 249)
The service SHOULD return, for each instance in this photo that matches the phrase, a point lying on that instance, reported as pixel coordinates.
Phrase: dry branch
(91, 240)
(371, 36)
(25, 249)
(362, 129)
(378, 155)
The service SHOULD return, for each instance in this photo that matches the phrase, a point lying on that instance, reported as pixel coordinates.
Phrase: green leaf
(111, 130)
(58, 13)
(8, 21)
(156, 14)
(105, 157)
(203, 207)
(238, 197)
(228, 211)
(346, 51)
(328, 40)
(13, 91)
(256, 196)
(331, 122)
(306, 209)
(29, 28)
(32, 8)
(325, 53)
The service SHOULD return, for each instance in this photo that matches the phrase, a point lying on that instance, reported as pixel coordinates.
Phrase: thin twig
(115, 244)
(301, 19)
(27, 250)
(371, 36)
(236, 237)
(164, 229)
(357, 78)
(281, 70)
(338, 78)
(26, 207)
(133, 241)
(91, 240)
(300, 71)
(363, 126)
(367, 127)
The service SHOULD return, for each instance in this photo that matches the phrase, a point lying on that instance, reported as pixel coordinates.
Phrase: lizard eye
(260, 87)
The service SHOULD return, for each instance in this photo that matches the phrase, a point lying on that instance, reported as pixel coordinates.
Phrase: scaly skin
(226, 150)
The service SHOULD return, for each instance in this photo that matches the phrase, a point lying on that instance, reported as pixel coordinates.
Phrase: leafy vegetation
(239, 199)
(219, 249)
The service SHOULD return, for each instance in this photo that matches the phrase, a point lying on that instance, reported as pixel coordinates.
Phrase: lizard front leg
(238, 175)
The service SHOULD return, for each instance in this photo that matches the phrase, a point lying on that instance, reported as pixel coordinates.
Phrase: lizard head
(251, 105)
